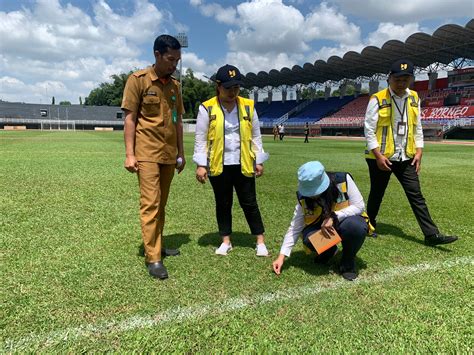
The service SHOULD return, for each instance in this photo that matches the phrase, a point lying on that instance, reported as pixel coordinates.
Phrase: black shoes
(349, 274)
(157, 270)
(169, 252)
(439, 238)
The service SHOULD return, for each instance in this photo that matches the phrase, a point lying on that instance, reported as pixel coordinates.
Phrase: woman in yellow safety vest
(228, 150)
(329, 202)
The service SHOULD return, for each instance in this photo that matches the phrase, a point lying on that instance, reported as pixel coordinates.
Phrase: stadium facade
(448, 103)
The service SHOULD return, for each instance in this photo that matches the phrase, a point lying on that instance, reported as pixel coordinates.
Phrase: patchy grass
(70, 256)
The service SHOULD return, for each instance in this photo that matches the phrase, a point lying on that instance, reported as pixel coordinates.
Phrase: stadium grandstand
(15, 115)
(447, 103)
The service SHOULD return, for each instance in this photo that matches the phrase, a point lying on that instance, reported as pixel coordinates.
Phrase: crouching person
(328, 202)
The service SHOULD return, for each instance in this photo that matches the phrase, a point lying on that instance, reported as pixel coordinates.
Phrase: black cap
(228, 76)
(401, 67)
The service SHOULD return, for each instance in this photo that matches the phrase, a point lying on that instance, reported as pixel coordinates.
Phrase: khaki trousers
(155, 180)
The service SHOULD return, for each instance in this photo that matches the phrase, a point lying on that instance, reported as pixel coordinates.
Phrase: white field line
(180, 314)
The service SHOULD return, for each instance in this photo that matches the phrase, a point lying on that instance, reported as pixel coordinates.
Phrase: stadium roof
(448, 42)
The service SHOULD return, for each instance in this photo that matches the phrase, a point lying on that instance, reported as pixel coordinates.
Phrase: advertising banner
(433, 102)
(447, 112)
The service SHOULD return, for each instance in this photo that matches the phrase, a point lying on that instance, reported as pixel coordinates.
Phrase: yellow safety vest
(215, 136)
(313, 212)
(384, 131)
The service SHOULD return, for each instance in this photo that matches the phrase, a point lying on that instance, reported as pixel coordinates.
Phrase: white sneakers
(262, 250)
(224, 248)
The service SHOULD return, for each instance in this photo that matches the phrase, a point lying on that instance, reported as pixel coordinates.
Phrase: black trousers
(352, 230)
(306, 138)
(223, 186)
(408, 178)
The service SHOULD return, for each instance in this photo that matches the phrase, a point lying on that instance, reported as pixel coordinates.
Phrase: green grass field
(73, 279)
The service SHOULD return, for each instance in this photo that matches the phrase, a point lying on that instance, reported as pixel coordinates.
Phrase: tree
(308, 94)
(52, 100)
(350, 90)
(80, 100)
(108, 94)
(65, 103)
(195, 91)
(244, 93)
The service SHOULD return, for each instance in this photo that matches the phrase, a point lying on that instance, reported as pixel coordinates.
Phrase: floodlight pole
(183, 41)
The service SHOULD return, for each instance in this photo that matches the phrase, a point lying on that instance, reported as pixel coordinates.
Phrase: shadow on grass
(383, 228)
(306, 263)
(172, 241)
(238, 239)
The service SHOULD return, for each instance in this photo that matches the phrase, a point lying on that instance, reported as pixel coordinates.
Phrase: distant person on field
(275, 132)
(281, 131)
(228, 149)
(395, 145)
(306, 132)
(328, 202)
(153, 134)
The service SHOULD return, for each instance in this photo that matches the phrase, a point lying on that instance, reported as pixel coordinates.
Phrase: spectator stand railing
(287, 115)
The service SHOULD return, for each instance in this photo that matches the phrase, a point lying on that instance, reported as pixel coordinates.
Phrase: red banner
(447, 112)
(468, 101)
(433, 102)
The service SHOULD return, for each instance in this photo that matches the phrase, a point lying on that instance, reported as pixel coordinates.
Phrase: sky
(66, 48)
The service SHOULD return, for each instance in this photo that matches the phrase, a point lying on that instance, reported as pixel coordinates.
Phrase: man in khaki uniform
(153, 133)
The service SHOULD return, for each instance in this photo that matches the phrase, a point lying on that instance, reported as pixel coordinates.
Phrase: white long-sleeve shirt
(355, 208)
(372, 117)
(231, 138)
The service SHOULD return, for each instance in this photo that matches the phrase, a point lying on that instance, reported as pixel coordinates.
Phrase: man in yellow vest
(394, 144)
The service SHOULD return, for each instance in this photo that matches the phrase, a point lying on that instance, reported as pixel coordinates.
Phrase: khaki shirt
(154, 102)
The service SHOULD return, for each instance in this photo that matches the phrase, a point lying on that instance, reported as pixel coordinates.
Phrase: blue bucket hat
(312, 179)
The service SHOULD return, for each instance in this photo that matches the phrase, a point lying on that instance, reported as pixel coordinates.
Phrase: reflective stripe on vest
(384, 130)
(215, 136)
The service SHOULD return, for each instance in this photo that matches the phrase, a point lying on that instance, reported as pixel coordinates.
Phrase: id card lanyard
(401, 126)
